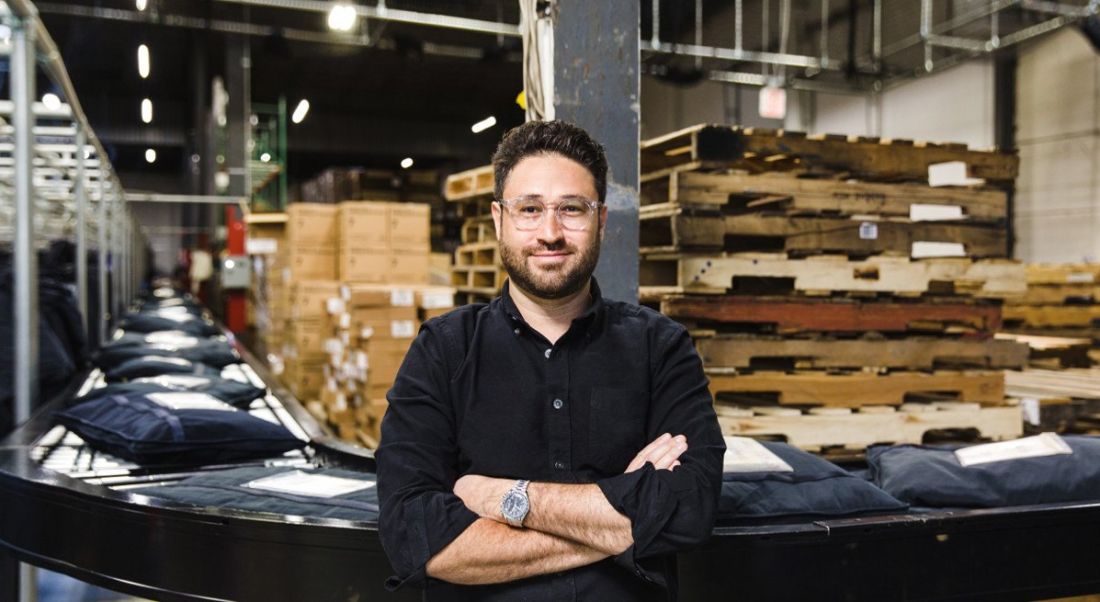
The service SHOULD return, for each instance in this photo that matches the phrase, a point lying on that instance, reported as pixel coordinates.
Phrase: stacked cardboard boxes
(381, 242)
(372, 329)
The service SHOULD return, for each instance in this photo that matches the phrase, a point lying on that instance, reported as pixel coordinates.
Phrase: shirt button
(558, 404)
(516, 331)
(559, 465)
(547, 354)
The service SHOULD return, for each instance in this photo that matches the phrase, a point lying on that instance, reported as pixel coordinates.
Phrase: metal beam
(153, 197)
(81, 195)
(594, 90)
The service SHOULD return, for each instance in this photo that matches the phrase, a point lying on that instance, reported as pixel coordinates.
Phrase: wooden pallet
(1074, 383)
(786, 314)
(1051, 316)
(756, 148)
(478, 277)
(850, 390)
(1063, 273)
(1053, 352)
(856, 429)
(469, 184)
(827, 274)
(478, 229)
(670, 229)
(737, 192)
(479, 253)
(465, 295)
(917, 353)
(1059, 294)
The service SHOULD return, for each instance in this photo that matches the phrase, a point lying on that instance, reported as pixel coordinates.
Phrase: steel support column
(596, 87)
(24, 258)
(81, 194)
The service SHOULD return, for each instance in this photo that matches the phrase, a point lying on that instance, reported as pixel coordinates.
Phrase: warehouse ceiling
(390, 89)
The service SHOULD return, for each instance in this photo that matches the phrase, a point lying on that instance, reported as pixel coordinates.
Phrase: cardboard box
(364, 225)
(309, 298)
(304, 339)
(409, 227)
(364, 265)
(409, 267)
(265, 233)
(310, 263)
(311, 225)
(305, 379)
(386, 322)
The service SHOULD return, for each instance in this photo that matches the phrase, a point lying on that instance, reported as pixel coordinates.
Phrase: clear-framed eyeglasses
(573, 213)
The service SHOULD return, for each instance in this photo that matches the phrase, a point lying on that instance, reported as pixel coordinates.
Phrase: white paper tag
(402, 329)
(437, 300)
(313, 485)
(923, 212)
(1079, 277)
(175, 361)
(260, 246)
(340, 403)
(178, 382)
(333, 346)
(362, 360)
(1046, 444)
(345, 292)
(923, 249)
(744, 454)
(190, 401)
(402, 297)
(344, 322)
(334, 305)
(171, 337)
(950, 173)
(1030, 408)
(868, 231)
(366, 333)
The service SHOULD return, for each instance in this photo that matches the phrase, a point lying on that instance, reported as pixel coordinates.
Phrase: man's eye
(572, 209)
(530, 209)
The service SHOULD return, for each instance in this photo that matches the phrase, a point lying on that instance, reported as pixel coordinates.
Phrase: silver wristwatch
(515, 504)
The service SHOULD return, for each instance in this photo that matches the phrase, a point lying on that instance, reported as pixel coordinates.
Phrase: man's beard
(556, 283)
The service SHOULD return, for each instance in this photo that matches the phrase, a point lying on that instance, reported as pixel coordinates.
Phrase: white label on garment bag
(749, 455)
(175, 381)
(313, 485)
(1046, 444)
(189, 401)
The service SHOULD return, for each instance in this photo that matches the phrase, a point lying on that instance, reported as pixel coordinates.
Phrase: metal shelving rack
(56, 182)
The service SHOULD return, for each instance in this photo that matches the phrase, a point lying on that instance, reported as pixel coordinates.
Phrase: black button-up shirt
(481, 392)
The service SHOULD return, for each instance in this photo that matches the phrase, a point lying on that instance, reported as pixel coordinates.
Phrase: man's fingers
(674, 465)
(671, 454)
(640, 459)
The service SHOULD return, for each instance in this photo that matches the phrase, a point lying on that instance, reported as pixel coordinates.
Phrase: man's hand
(664, 452)
(482, 494)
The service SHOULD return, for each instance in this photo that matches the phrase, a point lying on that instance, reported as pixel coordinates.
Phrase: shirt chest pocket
(616, 426)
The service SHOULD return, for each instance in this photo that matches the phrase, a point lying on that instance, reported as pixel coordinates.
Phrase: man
(551, 445)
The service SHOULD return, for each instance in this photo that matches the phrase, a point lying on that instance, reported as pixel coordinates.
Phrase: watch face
(514, 506)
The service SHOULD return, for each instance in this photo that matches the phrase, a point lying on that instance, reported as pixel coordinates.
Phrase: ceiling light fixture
(483, 125)
(265, 157)
(146, 110)
(141, 4)
(342, 17)
(407, 162)
(150, 155)
(51, 101)
(143, 61)
(300, 111)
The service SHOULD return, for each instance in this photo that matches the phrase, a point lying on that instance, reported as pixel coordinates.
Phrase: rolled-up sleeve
(673, 511)
(416, 460)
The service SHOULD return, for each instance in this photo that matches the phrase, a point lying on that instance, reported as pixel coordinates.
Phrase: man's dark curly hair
(549, 137)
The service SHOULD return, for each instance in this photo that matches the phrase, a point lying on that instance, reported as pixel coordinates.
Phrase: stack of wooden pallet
(477, 273)
(1062, 300)
(833, 311)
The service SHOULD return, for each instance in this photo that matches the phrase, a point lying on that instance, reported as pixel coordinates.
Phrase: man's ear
(496, 209)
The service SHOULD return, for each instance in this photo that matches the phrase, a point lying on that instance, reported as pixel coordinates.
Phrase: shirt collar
(588, 318)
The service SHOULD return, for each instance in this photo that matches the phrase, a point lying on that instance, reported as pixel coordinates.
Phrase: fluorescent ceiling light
(143, 61)
(265, 157)
(300, 111)
(407, 162)
(51, 101)
(141, 4)
(150, 155)
(342, 17)
(146, 110)
(484, 124)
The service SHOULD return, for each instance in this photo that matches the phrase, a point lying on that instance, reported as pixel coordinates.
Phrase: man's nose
(550, 229)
